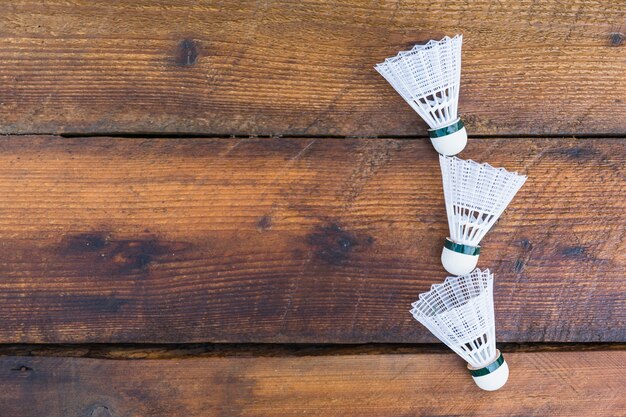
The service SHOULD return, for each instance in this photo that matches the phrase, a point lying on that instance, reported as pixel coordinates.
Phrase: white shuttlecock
(476, 195)
(459, 312)
(428, 77)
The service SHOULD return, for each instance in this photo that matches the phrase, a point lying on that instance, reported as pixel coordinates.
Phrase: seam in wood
(189, 350)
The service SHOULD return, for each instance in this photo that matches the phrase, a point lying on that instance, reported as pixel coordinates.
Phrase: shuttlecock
(476, 195)
(459, 312)
(428, 78)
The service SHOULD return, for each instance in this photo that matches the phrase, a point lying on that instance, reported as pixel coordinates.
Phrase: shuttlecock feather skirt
(428, 77)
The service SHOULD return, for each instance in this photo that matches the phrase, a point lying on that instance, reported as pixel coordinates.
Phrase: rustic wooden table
(220, 208)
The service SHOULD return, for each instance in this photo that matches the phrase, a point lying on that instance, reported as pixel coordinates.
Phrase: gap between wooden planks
(110, 240)
(285, 67)
(135, 351)
(541, 383)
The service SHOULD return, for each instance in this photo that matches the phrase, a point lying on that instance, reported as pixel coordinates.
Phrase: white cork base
(495, 380)
(458, 263)
(451, 144)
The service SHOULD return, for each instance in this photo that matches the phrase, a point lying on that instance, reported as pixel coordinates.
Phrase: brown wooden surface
(556, 384)
(284, 67)
(135, 248)
(295, 240)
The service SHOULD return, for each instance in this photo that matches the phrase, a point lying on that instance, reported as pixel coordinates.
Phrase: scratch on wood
(356, 306)
(395, 12)
(293, 291)
(369, 160)
(232, 148)
(299, 154)
(328, 108)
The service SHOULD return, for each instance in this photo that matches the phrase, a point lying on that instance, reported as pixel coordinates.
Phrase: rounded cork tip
(458, 263)
(493, 376)
(450, 144)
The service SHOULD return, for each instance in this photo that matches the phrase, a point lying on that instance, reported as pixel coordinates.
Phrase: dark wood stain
(22, 368)
(579, 153)
(526, 244)
(95, 303)
(574, 252)
(264, 223)
(122, 256)
(332, 244)
(187, 52)
(616, 39)
(85, 242)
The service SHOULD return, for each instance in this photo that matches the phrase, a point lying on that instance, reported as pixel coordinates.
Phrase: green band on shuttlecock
(489, 368)
(445, 131)
(464, 249)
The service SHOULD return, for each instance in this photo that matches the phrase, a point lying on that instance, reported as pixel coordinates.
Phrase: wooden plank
(204, 350)
(295, 240)
(546, 384)
(286, 67)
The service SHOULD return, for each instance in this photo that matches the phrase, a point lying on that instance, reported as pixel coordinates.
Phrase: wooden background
(234, 182)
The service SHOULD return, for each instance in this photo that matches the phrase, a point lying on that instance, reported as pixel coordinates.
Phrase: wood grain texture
(543, 384)
(295, 240)
(286, 67)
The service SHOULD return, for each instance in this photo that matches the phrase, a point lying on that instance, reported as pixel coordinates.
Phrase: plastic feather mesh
(476, 195)
(459, 312)
(428, 78)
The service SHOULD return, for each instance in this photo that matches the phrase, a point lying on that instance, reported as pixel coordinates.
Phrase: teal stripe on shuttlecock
(445, 131)
(489, 368)
(464, 249)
